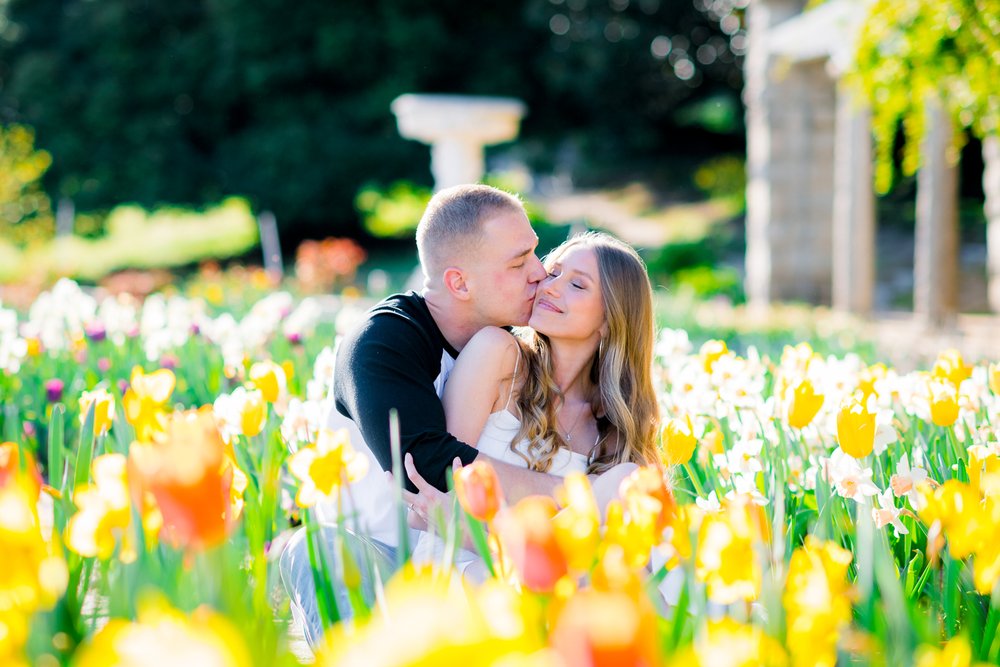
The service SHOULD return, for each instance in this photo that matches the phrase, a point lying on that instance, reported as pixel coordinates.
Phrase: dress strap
(513, 378)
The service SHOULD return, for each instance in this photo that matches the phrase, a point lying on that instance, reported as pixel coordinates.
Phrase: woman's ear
(604, 329)
(455, 283)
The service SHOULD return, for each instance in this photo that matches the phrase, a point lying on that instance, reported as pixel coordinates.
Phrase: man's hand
(428, 500)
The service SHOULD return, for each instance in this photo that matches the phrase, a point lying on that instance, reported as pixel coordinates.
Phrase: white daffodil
(887, 513)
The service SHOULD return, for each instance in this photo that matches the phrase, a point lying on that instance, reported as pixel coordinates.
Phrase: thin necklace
(567, 436)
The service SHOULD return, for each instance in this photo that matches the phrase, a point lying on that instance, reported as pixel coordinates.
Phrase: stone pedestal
(935, 263)
(458, 128)
(991, 188)
(853, 207)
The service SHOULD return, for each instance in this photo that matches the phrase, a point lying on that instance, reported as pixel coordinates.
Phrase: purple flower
(54, 390)
(96, 332)
(169, 361)
(294, 337)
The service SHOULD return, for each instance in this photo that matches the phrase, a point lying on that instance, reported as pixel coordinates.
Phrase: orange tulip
(186, 471)
(529, 540)
(479, 490)
(646, 494)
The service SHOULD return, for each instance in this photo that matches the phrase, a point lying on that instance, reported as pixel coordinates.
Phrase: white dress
(495, 441)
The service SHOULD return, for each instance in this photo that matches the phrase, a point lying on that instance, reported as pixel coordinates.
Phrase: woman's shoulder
(494, 346)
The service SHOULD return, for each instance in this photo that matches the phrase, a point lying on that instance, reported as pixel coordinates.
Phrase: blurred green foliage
(136, 238)
(25, 208)
(187, 102)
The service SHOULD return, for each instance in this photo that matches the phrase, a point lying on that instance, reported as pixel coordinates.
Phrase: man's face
(506, 272)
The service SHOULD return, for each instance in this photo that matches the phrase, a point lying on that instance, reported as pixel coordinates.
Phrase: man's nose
(538, 271)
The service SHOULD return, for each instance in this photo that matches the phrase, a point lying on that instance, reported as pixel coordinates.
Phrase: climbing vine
(914, 52)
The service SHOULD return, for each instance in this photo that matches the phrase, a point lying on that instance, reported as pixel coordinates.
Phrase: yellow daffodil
(803, 404)
(678, 441)
(270, 378)
(163, 636)
(187, 472)
(711, 351)
(478, 490)
(578, 524)
(104, 409)
(817, 602)
(951, 367)
(324, 468)
(869, 376)
(145, 400)
(103, 509)
(943, 403)
(856, 427)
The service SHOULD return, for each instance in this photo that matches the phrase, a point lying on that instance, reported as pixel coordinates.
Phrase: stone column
(935, 293)
(790, 141)
(991, 187)
(853, 206)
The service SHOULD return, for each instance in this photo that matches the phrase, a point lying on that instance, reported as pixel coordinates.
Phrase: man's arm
(386, 364)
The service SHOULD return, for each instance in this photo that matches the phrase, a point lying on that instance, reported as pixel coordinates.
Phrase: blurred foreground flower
(430, 620)
(186, 470)
(727, 643)
(607, 629)
(104, 513)
(478, 490)
(163, 636)
(726, 560)
(956, 653)
(578, 524)
(529, 540)
(323, 468)
(817, 602)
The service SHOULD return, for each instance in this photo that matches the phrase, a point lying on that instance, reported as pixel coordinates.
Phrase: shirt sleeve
(387, 364)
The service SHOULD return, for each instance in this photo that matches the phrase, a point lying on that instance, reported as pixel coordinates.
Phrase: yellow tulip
(104, 409)
(728, 643)
(325, 467)
(103, 509)
(711, 351)
(254, 413)
(678, 441)
(270, 378)
(145, 399)
(951, 367)
(944, 403)
(994, 378)
(955, 653)
(804, 404)
(856, 427)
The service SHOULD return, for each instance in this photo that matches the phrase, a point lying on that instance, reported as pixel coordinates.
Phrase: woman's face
(569, 303)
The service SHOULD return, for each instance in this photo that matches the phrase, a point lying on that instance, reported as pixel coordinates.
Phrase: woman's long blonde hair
(621, 371)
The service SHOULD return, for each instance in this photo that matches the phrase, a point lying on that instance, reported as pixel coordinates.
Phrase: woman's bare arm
(482, 374)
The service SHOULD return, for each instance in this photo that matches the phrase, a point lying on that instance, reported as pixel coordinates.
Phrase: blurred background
(151, 144)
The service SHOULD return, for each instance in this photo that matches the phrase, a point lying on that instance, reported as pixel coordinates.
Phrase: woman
(573, 391)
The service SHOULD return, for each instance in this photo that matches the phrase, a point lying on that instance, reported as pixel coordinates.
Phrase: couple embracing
(570, 389)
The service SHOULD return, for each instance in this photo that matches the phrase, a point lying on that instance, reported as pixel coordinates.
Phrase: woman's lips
(542, 303)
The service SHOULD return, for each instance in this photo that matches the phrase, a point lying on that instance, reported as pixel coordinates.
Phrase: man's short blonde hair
(452, 224)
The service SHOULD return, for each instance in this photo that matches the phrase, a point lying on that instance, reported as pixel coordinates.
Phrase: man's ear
(455, 283)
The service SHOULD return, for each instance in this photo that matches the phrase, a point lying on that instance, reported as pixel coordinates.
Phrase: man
(477, 253)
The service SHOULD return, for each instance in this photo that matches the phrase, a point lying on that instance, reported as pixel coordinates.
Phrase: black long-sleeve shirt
(391, 360)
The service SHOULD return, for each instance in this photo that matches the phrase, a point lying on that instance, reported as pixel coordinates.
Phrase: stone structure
(810, 203)
(458, 128)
